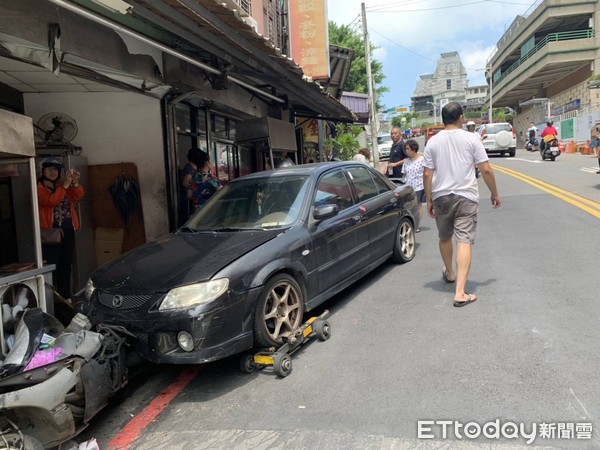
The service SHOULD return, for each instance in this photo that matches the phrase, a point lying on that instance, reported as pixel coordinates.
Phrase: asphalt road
(525, 353)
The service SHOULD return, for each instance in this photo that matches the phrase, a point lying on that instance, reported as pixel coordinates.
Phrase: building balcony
(554, 45)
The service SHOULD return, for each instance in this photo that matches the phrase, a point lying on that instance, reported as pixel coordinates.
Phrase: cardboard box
(109, 244)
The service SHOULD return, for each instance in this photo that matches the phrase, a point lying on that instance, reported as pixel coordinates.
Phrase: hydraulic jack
(280, 359)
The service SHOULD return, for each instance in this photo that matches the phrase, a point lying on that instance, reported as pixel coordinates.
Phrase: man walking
(452, 194)
(397, 154)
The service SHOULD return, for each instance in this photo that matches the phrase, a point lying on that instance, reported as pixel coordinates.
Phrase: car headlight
(194, 294)
(89, 289)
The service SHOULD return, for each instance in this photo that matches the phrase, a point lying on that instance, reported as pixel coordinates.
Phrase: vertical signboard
(308, 37)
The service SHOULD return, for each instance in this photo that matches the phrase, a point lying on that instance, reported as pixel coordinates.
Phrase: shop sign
(308, 37)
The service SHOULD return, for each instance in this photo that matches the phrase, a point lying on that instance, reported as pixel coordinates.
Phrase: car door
(335, 244)
(377, 206)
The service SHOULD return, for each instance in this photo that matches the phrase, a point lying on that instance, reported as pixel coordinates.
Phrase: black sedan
(244, 269)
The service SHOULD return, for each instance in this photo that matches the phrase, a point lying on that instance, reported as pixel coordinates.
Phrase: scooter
(54, 380)
(549, 148)
(531, 145)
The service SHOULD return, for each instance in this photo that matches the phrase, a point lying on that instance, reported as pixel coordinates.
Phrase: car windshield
(256, 203)
(384, 139)
(497, 128)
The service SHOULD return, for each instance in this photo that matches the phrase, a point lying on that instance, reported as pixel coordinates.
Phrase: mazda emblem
(117, 301)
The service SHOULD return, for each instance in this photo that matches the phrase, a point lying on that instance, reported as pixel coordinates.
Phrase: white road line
(535, 161)
(589, 169)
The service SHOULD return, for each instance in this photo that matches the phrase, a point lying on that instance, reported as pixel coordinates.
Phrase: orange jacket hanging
(49, 200)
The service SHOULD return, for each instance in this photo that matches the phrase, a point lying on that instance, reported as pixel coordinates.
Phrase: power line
(402, 47)
(382, 8)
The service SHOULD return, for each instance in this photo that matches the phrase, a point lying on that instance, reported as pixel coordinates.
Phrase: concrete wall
(117, 127)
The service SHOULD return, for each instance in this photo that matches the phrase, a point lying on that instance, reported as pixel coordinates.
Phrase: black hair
(197, 156)
(413, 144)
(451, 112)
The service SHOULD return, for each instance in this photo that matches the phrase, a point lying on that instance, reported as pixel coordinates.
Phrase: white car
(384, 144)
(499, 138)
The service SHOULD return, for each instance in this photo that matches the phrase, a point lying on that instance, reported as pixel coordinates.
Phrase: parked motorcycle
(531, 145)
(549, 148)
(54, 380)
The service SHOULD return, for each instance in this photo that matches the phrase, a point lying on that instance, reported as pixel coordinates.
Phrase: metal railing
(552, 37)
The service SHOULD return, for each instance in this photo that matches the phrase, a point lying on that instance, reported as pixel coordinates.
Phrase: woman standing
(413, 170)
(56, 199)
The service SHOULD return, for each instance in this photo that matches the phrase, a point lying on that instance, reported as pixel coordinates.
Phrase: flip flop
(470, 299)
(445, 277)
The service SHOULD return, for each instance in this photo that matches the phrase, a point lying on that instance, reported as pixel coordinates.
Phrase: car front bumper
(219, 329)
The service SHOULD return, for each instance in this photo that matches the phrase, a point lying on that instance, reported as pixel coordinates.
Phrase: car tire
(279, 311)
(404, 242)
(512, 152)
(12, 441)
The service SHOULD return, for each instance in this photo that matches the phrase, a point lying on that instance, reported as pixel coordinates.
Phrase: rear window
(384, 139)
(497, 128)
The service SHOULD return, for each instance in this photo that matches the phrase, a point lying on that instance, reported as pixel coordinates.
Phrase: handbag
(51, 236)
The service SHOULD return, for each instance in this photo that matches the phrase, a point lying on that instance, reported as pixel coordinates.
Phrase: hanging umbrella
(126, 196)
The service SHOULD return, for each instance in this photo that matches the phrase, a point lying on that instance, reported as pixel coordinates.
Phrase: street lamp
(489, 69)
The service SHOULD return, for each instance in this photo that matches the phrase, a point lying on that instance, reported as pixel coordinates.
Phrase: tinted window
(497, 128)
(333, 189)
(253, 203)
(380, 183)
(363, 182)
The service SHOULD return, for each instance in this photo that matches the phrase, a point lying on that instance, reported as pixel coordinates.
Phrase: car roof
(303, 169)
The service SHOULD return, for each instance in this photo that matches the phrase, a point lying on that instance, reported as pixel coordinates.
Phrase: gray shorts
(456, 215)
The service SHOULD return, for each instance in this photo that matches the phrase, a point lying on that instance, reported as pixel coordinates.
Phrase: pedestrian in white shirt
(412, 169)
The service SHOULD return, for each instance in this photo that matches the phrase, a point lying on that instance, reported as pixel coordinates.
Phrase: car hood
(177, 259)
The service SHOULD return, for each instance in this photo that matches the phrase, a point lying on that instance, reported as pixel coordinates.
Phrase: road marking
(534, 161)
(132, 431)
(589, 169)
(583, 203)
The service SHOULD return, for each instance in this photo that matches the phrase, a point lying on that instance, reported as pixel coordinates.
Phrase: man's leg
(446, 251)
(463, 265)
(598, 155)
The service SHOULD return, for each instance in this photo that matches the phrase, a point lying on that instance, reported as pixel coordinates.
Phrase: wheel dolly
(280, 359)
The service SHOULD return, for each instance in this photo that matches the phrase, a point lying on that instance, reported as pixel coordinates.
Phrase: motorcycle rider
(548, 134)
(471, 126)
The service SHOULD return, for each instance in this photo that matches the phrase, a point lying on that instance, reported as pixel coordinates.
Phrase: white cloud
(413, 33)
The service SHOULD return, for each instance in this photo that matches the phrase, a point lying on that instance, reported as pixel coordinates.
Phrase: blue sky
(412, 34)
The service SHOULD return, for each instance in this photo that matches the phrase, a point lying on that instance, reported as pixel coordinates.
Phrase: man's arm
(490, 180)
(427, 177)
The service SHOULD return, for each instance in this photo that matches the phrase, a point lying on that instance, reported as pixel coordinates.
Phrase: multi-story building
(543, 65)
(447, 83)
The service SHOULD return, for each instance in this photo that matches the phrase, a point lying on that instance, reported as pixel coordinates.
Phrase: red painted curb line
(134, 428)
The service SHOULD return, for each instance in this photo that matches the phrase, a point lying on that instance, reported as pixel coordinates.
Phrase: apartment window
(448, 85)
(246, 5)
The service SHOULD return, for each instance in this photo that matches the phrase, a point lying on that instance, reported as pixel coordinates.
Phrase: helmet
(470, 123)
(549, 122)
(52, 162)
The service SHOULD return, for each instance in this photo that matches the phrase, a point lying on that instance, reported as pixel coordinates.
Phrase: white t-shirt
(452, 154)
(359, 157)
(414, 172)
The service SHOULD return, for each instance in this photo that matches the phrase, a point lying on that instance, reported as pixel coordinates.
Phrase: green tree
(344, 36)
(344, 143)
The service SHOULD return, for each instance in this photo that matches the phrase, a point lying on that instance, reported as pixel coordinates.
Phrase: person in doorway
(56, 199)
(284, 160)
(595, 142)
(397, 154)
(413, 170)
(199, 179)
(452, 194)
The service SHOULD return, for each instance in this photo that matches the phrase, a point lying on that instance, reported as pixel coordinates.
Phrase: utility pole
(372, 102)
(491, 85)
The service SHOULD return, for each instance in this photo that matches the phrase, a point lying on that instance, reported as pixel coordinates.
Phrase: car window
(384, 139)
(253, 203)
(363, 182)
(497, 128)
(382, 186)
(333, 189)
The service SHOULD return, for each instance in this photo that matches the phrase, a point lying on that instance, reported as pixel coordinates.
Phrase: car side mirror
(323, 212)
